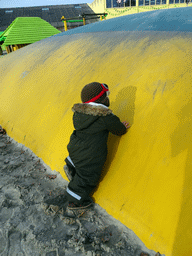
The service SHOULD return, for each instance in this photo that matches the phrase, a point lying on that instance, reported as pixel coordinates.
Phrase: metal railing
(83, 17)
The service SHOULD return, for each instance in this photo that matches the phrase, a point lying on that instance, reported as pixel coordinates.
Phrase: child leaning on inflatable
(87, 148)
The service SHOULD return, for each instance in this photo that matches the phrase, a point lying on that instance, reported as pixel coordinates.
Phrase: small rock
(97, 247)
(72, 229)
(105, 247)
(2, 145)
(121, 245)
(144, 254)
(96, 240)
(68, 221)
(51, 209)
(6, 161)
(53, 241)
(51, 177)
(77, 248)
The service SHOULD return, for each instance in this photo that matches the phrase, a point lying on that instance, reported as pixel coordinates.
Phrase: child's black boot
(86, 204)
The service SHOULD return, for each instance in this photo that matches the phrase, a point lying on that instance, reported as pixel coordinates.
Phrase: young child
(93, 121)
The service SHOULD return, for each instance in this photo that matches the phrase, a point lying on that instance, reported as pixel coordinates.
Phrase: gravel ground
(33, 218)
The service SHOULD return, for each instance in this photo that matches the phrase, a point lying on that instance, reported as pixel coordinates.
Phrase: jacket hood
(93, 110)
(86, 114)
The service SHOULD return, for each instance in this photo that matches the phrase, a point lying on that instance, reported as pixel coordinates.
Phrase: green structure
(26, 30)
(1, 39)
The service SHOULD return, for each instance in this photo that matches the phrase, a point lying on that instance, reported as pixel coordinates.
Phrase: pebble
(2, 145)
(6, 161)
(31, 226)
(105, 247)
(97, 247)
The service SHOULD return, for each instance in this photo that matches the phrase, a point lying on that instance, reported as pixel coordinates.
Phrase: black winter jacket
(88, 142)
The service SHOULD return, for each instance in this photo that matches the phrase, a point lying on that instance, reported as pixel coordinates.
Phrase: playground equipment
(146, 61)
(24, 31)
(83, 18)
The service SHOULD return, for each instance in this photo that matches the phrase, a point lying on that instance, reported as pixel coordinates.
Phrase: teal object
(74, 20)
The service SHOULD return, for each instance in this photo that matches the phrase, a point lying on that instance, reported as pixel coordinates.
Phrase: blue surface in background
(178, 19)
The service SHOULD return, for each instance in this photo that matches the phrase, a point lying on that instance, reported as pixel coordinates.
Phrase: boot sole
(80, 207)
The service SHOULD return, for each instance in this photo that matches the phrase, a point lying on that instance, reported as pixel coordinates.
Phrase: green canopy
(2, 38)
(27, 30)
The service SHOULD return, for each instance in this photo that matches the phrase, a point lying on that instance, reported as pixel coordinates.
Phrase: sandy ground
(30, 226)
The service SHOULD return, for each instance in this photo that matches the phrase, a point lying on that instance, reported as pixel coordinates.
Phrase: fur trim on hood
(94, 110)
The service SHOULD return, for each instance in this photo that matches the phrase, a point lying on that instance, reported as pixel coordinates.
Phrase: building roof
(50, 13)
(27, 30)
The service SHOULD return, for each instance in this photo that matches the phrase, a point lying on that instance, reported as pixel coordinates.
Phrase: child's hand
(126, 124)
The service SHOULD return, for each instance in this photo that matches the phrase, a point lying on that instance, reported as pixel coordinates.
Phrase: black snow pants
(85, 180)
